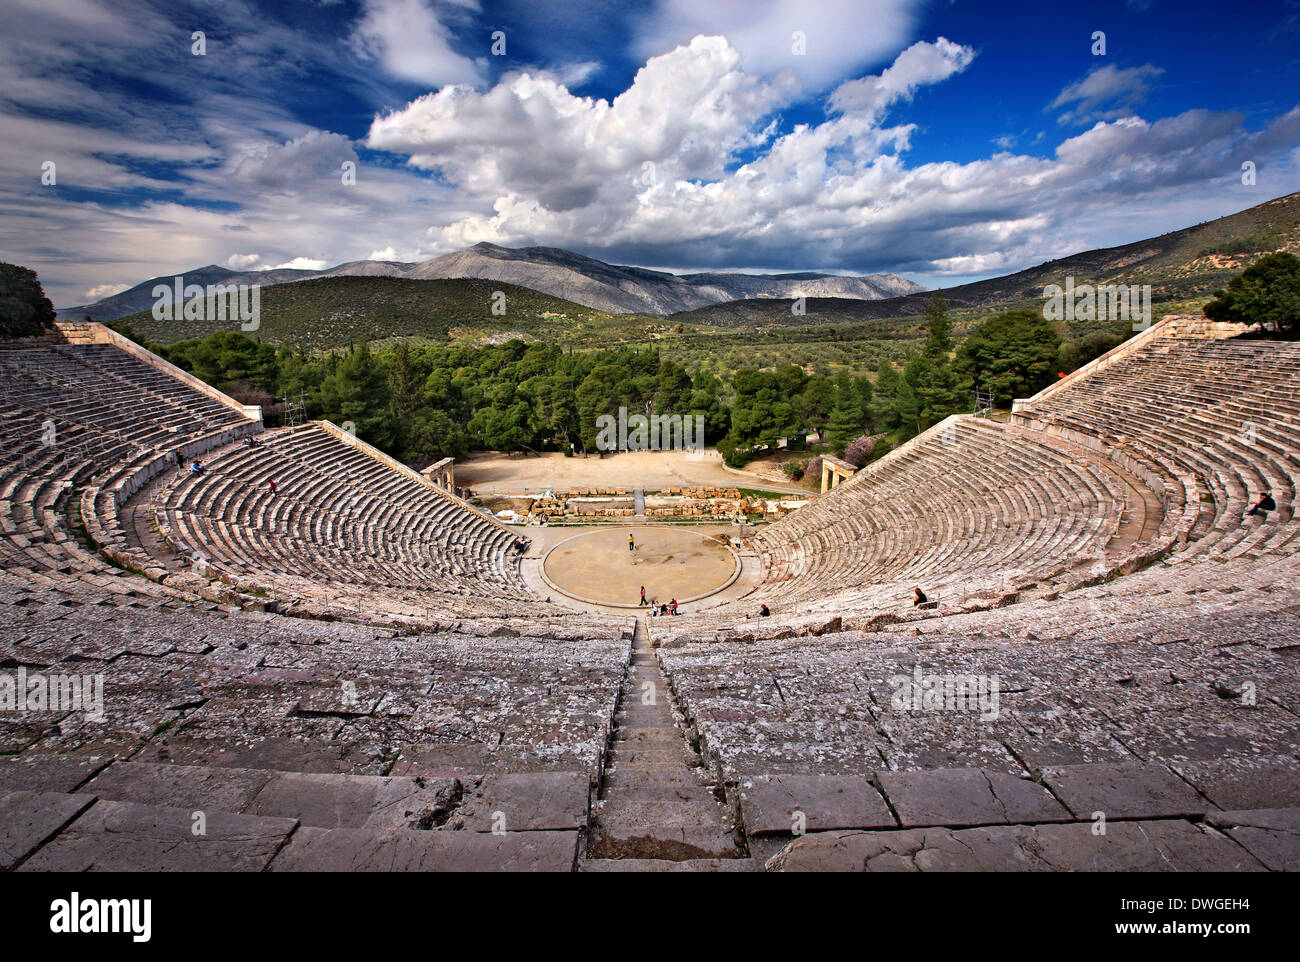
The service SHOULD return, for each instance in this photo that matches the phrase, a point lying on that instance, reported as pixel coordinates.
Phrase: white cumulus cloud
(838, 36)
(100, 291)
(410, 39)
(302, 264)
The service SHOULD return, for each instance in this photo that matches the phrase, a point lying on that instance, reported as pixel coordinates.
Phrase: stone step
(680, 784)
(1145, 846)
(643, 716)
(673, 830)
(129, 837)
(373, 850)
(47, 773)
(652, 759)
(668, 865)
(29, 819)
(515, 802)
(657, 738)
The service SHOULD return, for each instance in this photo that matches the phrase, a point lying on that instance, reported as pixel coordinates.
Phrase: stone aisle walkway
(655, 811)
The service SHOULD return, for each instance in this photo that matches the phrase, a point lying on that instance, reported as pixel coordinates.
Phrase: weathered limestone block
(125, 836)
(27, 819)
(769, 804)
(376, 850)
(968, 796)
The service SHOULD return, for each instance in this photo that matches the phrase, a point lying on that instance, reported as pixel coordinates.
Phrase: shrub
(1078, 352)
(734, 455)
(858, 451)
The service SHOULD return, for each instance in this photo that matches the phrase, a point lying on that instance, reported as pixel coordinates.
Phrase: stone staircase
(656, 810)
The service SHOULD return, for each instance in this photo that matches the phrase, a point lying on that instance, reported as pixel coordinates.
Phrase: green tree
(435, 436)
(846, 420)
(931, 376)
(25, 311)
(936, 320)
(884, 410)
(1011, 354)
(760, 413)
(1075, 353)
(1267, 292)
(506, 430)
(706, 399)
(908, 407)
(816, 403)
(355, 388)
(405, 402)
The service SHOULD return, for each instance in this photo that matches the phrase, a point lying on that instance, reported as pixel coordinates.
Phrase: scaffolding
(983, 403)
(295, 412)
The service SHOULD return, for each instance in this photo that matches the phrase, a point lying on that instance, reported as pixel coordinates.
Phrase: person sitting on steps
(763, 612)
(918, 597)
(1263, 506)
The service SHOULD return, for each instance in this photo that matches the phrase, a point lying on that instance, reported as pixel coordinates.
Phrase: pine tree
(404, 394)
(931, 375)
(936, 319)
(846, 415)
(884, 410)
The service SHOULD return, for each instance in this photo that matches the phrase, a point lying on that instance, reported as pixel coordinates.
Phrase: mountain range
(1184, 267)
(549, 270)
(569, 295)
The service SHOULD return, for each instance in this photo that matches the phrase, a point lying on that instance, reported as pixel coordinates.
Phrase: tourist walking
(631, 543)
(643, 595)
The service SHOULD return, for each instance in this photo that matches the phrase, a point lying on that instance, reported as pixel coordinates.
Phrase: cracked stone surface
(1132, 790)
(372, 850)
(1271, 835)
(1156, 846)
(548, 801)
(47, 773)
(968, 796)
(126, 836)
(769, 804)
(28, 819)
(1236, 782)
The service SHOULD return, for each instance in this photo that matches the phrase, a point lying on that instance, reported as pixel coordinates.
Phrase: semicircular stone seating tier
(1152, 458)
(340, 520)
(90, 430)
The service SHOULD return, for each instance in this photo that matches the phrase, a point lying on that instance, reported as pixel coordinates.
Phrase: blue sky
(944, 141)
